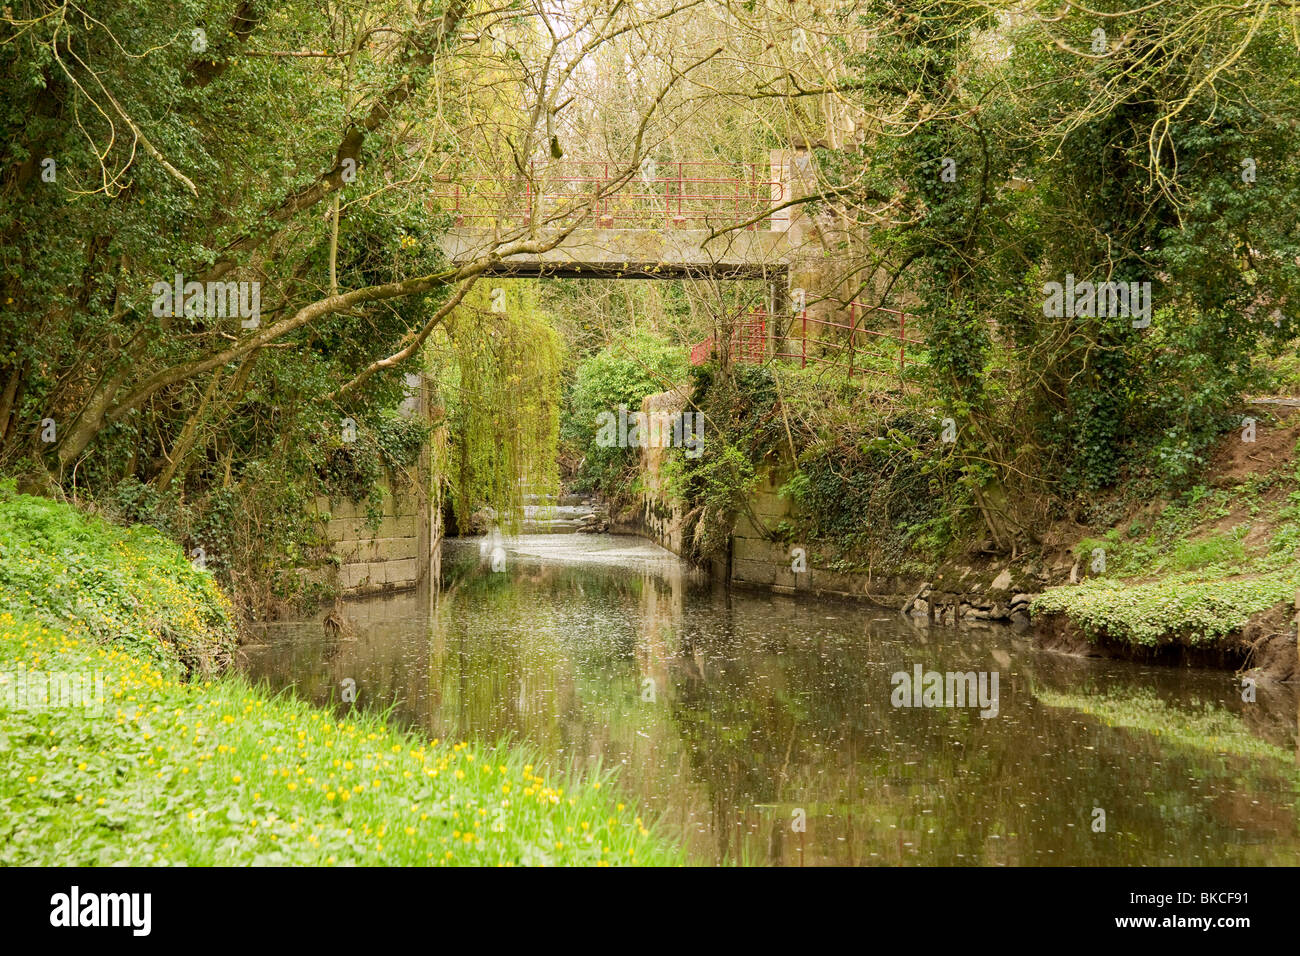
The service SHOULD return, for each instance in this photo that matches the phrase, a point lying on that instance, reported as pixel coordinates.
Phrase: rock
(999, 612)
(920, 608)
(1020, 598)
(1003, 581)
(924, 589)
(978, 615)
(1019, 620)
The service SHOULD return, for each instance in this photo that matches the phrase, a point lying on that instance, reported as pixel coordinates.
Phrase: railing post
(803, 360)
(668, 203)
(749, 204)
(679, 191)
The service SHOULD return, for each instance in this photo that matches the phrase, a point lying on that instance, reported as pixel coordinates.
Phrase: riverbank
(1209, 577)
(169, 758)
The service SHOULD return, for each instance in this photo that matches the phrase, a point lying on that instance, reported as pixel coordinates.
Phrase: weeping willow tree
(498, 365)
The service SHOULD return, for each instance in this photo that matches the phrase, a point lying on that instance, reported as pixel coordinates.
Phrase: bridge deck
(634, 254)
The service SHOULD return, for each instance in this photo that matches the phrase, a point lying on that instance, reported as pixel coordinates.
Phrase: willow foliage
(499, 377)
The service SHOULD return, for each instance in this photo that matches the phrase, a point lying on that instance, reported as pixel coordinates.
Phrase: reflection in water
(733, 715)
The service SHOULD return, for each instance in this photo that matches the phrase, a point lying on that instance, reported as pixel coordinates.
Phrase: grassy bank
(176, 763)
(1191, 609)
(1197, 569)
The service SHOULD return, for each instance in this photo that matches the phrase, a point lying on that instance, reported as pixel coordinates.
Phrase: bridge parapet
(685, 195)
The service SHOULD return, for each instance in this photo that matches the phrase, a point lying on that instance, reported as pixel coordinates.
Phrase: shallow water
(762, 728)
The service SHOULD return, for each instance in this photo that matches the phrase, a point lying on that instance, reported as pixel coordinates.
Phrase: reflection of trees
(386, 665)
(811, 726)
(761, 705)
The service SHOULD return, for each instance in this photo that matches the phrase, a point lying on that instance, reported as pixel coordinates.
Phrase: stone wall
(758, 561)
(661, 514)
(755, 560)
(375, 557)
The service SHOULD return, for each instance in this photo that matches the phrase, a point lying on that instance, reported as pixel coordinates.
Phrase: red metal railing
(676, 194)
(747, 341)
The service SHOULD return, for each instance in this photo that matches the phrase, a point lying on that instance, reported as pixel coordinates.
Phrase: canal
(767, 729)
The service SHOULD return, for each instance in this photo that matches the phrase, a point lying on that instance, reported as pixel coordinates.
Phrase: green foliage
(1222, 550)
(621, 374)
(720, 486)
(131, 587)
(873, 495)
(498, 375)
(355, 469)
(867, 477)
(1188, 608)
(227, 455)
(1055, 176)
(164, 771)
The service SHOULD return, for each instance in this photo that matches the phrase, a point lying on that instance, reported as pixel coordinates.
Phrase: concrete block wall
(661, 512)
(374, 558)
(756, 560)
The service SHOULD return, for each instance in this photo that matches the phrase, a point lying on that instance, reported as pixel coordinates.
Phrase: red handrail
(742, 338)
(713, 191)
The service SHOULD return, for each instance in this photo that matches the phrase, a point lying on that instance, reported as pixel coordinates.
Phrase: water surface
(760, 728)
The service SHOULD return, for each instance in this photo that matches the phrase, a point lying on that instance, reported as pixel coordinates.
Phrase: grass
(168, 768)
(131, 586)
(1170, 581)
(1187, 607)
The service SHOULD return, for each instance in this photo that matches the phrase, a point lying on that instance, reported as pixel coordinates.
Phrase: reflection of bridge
(653, 224)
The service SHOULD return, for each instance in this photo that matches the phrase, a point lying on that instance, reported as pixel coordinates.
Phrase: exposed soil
(1234, 461)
